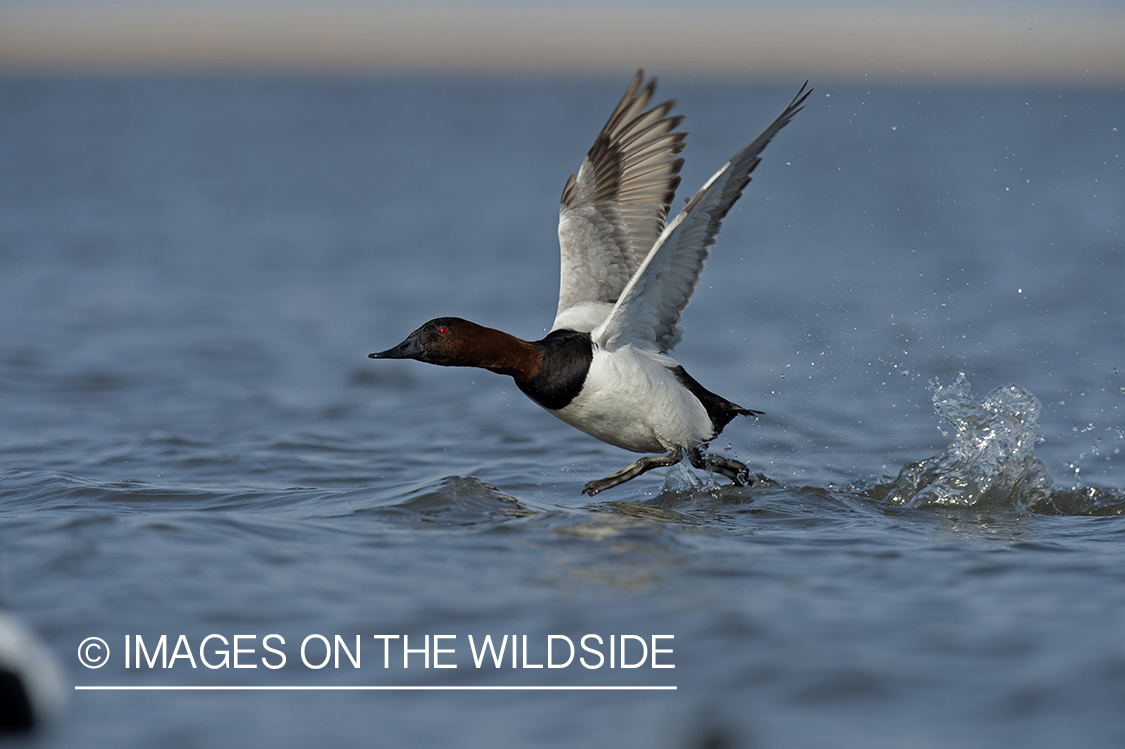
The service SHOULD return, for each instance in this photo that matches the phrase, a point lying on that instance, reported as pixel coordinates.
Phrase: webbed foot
(737, 472)
(633, 470)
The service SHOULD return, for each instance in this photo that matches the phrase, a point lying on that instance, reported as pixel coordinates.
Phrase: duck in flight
(627, 274)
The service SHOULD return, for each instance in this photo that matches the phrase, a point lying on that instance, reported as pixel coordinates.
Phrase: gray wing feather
(615, 206)
(651, 305)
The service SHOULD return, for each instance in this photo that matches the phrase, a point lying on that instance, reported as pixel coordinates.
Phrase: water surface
(921, 289)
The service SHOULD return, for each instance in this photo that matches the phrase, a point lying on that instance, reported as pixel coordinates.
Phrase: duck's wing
(649, 310)
(615, 206)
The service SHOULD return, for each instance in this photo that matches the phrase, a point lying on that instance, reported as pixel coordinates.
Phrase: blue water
(921, 288)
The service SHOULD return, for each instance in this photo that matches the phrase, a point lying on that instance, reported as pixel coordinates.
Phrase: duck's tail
(719, 409)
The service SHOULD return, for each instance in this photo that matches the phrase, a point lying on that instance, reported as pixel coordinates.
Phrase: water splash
(991, 461)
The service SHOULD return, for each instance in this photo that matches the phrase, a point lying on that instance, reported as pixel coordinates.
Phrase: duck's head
(453, 342)
(444, 340)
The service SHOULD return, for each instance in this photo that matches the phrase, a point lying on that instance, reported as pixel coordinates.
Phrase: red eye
(443, 330)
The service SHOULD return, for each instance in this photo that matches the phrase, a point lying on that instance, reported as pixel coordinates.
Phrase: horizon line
(578, 39)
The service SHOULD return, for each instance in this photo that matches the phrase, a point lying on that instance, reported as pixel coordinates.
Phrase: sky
(957, 40)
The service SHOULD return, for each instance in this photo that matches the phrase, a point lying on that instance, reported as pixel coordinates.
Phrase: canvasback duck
(626, 277)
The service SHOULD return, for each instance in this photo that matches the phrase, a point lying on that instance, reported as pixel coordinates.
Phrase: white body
(632, 400)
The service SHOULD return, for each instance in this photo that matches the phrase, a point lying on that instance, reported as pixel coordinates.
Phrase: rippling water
(921, 288)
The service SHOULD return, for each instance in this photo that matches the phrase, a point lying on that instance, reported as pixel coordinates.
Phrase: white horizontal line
(111, 688)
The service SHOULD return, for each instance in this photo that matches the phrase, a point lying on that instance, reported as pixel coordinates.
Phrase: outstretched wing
(649, 310)
(615, 207)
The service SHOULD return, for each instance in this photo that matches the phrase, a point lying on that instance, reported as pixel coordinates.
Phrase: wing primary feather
(649, 309)
(616, 205)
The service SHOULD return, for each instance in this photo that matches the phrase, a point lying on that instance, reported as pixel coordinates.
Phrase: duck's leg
(646, 463)
(732, 469)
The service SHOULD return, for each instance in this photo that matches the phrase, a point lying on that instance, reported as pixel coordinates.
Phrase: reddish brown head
(453, 342)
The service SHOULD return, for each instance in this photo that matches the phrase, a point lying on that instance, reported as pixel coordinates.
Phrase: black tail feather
(718, 408)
